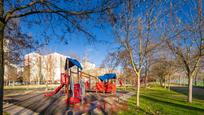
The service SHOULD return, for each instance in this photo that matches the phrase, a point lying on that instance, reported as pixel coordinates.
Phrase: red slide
(55, 91)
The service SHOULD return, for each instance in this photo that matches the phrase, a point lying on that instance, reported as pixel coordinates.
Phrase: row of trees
(160, 36)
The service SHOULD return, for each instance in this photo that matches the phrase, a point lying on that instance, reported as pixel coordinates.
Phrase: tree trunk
(169, 87)
(195, 77)
(165, 82)
(195, 82)
(2, 25)
(46, 84)
(1, 64)
(160, 82)
(138, 90)
(179, 80)
(190, 88)
(146, 81)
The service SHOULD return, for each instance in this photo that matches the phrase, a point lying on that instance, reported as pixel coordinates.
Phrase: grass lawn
(160, 101)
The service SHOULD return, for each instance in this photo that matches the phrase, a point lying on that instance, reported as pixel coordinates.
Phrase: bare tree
(162, 69)
(131, 31)
(187, 41)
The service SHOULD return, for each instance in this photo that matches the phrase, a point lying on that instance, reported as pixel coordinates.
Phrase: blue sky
(80, 46)
(77, 42)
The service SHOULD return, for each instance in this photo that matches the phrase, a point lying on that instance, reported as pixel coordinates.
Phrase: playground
(36, 102)
(77, 93)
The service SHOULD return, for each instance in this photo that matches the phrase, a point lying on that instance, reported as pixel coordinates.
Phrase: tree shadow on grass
(197, 92)
(132, 106)
(172, 104)
(168, 98)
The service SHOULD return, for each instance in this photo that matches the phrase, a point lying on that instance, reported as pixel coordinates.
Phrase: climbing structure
(75, 92)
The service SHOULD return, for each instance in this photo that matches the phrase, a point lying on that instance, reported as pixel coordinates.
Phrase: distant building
(10, 73)
(10, 70)
(43, 68)
(88, 65)
(32, 66)
(52, 66)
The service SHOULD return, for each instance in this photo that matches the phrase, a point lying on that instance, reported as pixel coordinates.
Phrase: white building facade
(43, 68)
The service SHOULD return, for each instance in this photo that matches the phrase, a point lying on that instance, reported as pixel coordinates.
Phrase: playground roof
(107, 76)
(72, 62)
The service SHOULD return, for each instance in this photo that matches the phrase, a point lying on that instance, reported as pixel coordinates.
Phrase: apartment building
(43, 68)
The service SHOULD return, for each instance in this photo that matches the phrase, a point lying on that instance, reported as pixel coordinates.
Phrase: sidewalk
(17, 110)
(95, 104)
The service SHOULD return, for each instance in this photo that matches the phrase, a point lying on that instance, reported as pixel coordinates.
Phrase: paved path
(29, 104)
(197, 92)
(17, 110)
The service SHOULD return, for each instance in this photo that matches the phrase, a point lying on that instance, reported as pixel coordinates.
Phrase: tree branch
(10, 13)
(55, 9)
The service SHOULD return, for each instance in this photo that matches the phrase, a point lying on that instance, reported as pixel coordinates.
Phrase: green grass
(160, 101)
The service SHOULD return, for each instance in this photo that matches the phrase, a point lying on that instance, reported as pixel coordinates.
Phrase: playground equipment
(107, 83)
(75, 92)
(88, 83)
